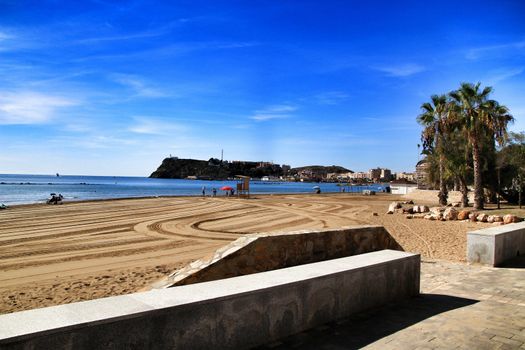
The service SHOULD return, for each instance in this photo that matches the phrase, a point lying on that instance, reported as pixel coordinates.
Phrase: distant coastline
(216, 169)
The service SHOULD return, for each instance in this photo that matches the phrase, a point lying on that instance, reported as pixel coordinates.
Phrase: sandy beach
(52, 255)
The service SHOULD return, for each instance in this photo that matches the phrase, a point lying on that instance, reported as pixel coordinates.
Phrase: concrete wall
(234, 313)
(269, 251)
(493, 246)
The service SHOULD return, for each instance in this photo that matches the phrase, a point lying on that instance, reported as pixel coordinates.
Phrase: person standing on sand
(214, 191)
(203, 191)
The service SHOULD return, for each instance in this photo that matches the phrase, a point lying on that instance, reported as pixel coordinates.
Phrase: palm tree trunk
(464, 192)
(443, 193)
(478, 186)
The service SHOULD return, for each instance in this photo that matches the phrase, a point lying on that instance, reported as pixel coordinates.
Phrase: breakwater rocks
(449, 213)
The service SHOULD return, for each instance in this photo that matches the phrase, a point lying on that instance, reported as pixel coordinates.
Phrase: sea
(28, 189)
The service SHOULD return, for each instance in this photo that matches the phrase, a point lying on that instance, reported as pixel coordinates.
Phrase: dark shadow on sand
(367, 327)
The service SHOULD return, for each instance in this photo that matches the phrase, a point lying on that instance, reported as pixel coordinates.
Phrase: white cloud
(498, 49)
(151, 33)
(504, 74)
(152, 126)
(273, 112)
(266, 117)
(331, 97)
(5, 36)
(403, 70)
(137, 85)
(30, 107)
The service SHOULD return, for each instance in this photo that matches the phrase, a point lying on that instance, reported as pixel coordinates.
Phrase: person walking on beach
(203, 191)
(214, 191)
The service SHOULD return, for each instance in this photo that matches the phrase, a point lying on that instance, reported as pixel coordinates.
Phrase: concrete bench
(237, 312)
(493, 246)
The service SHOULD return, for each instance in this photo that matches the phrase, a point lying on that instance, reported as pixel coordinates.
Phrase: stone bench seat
(496, 245)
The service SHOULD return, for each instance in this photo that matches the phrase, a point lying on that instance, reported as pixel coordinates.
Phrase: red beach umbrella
(226, 188)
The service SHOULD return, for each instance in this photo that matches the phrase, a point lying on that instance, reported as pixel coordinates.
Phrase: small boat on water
(58, 174)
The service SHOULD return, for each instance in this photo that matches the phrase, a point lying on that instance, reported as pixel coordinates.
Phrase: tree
(434, 119)
(479, 116)
(511, 159)
(457, 164)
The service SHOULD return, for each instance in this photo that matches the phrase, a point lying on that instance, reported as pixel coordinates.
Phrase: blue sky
(112, 87)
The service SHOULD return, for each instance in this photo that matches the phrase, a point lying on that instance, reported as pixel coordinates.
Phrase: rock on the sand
(436, 210)
(473, 217)
(393, 206)
(420, 209)
(450, 214)
(510, 219)
(463, 215)
(482, 217)
(494, 218)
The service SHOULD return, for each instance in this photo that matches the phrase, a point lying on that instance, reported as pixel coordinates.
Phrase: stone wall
(269, 251)
(234, 313)
(493, 246)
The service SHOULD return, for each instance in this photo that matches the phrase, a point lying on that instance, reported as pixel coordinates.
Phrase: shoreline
(66, 202)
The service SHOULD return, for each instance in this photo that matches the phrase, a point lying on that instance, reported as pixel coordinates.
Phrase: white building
(402, 186)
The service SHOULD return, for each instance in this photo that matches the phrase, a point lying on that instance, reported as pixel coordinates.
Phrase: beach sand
(59, 254)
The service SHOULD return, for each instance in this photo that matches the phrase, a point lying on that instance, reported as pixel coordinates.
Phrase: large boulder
(436, 210)
(392, 207)
(510, 219)
(463, 215)
(482, 217)
(450, 214)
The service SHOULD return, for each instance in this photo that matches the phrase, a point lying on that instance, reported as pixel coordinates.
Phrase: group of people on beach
(231, 192)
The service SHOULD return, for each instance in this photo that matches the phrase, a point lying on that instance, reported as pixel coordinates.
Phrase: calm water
(24, 189)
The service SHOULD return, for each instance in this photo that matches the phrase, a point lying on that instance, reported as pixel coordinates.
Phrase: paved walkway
(461, 307)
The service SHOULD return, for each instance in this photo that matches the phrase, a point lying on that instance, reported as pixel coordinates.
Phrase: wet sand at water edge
(53, 255)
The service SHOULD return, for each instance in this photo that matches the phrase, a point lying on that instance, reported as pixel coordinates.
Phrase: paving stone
(498, 332)
(461, 306)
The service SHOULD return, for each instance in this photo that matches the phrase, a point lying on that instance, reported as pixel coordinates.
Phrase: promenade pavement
(460, 307)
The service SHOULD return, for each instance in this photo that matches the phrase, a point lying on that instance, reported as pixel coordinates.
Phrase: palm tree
(434, 119)
(479, 116)
(457, 164)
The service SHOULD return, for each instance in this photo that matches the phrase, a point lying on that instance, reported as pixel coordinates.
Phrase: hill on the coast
(215, 169)
(321, 170)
